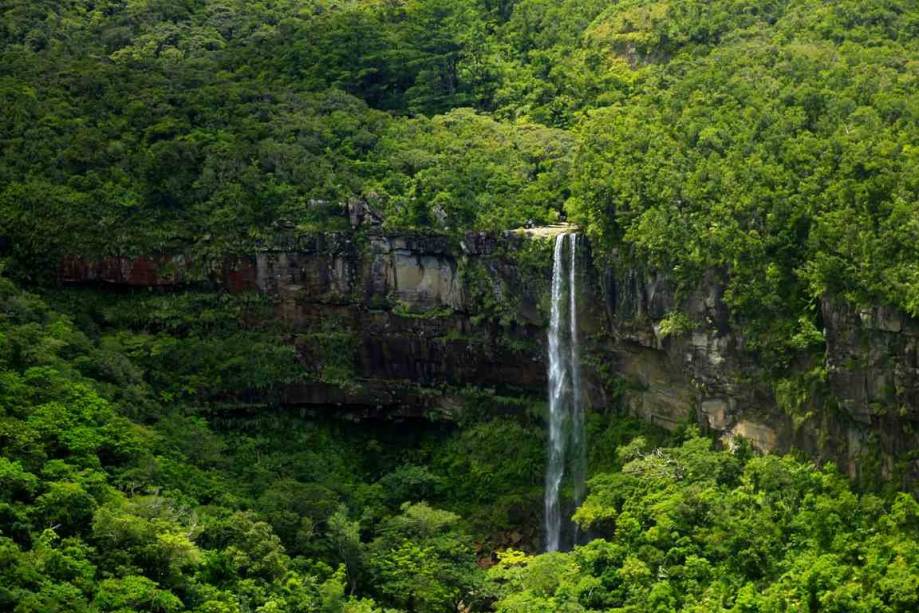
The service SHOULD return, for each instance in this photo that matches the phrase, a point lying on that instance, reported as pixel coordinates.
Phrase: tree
(420, 560)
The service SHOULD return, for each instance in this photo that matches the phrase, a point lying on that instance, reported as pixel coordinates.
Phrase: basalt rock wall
(405, 316)
(423, 319)
(862, 413)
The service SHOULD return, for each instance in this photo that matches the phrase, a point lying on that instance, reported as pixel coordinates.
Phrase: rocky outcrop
(693, 370)
(402, 303)
(165, 271)
(866, 417)
(401, 316)
(413, 320)
(872, 360)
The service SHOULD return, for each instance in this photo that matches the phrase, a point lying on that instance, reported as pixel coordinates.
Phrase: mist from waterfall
(567, 453)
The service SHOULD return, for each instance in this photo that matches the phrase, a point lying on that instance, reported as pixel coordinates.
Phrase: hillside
(274, 313)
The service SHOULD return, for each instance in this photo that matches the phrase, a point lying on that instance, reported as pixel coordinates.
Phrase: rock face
(873, 370)
(873, 360)
(865, 418)
(414, 338)
(416, 321)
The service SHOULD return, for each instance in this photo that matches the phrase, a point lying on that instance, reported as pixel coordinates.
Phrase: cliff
(408, 324)
(856, 405)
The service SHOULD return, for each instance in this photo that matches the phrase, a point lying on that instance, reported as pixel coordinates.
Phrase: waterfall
(566, 415)
(555, 467)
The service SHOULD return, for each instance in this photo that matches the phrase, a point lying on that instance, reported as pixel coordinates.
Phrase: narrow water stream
(567, 455)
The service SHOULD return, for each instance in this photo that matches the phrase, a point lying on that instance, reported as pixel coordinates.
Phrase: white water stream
(567, 453)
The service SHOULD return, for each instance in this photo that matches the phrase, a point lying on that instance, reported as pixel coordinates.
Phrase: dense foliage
(121, 490)
(690, 529)
(771, 140)
(776, 141)
(141, 465)
(117, 494)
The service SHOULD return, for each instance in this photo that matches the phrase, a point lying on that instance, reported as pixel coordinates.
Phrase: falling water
(566, 418)
(555, 468)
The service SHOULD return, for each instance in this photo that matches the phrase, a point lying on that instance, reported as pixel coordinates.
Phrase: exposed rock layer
(429, 318)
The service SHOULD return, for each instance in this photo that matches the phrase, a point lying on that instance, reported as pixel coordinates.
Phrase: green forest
(776, 141)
